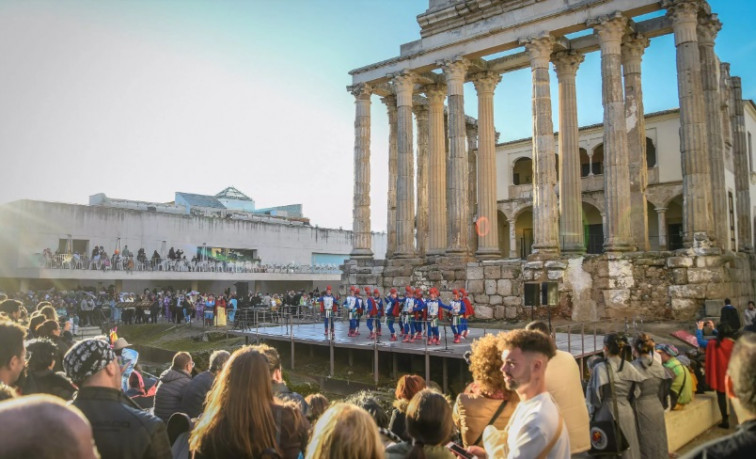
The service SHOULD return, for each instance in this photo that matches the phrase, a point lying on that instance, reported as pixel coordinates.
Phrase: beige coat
(472, 412)
(563, 383)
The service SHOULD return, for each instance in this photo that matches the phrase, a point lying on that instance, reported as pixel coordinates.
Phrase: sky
(139, 99)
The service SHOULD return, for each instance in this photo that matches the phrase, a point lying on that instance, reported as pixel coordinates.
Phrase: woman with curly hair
(485, 401)
(406, 388)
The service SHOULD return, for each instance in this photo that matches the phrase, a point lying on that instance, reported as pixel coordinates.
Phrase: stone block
(527, 275)
(490, 287)
(492, 272)
(555, 264)
(475, 286)
(510, 312)
(504, 287)
(509, 273)
(687, 291)
(703, 275)
(435, 276)
(499, 312)
(460, 274)
(712, 308)
(717, 290)
(495, 299)
(685, 308)
(679, 262)
(512, 301)
(710, 262)
(400, 281)
(680, 276)
(481, 298)
(555, 274)
(484, 312)
(533, 265)
(448, 275)
(475, 273)
(616, 302)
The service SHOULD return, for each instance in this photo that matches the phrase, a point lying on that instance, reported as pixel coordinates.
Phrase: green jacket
(682, 375)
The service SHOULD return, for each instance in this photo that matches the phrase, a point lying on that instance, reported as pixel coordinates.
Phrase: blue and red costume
(418, 315)
(329, 307)
(434, 311)
(469, 312)
(393, 309)
(456, 310)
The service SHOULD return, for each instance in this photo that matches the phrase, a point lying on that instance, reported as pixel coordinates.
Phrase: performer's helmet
(434, 291)
(393, 291)
(408, 289)
(367, 290)
(419, 292)
(376, 292)
(328, 288)
(455, 292)
(462, 292)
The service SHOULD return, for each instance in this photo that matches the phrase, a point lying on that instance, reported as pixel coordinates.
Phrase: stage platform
(580, 346)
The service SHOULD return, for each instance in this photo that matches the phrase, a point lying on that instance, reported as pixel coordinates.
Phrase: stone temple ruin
(444, 231)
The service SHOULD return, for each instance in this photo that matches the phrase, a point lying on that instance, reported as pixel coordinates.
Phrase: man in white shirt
(536, 429)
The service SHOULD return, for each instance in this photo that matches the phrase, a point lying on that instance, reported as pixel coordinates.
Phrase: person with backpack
(681, 392)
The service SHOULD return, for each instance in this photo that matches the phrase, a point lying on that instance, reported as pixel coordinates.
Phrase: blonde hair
(485, 364)
(345, 430)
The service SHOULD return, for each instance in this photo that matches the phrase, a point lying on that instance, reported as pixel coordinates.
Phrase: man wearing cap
(393, 309)
(328, 308)
(682, 384)
(120, 428)
(374, 312)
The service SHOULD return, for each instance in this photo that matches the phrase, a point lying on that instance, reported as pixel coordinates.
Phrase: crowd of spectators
(174, 260)
(525, 400)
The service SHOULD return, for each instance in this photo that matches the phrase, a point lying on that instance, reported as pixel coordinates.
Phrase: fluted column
(421, 119)
(471, 127)
(361, 236)
(742, 169)
(488, 229)
(456, 166)
(632, 52)
(697, 208)
(437, 171)
(404, 84)
(707, 32)
(512, 239)
(617, 234)
(390, 102)
(661, 213)
(570, 183)
(545, 206)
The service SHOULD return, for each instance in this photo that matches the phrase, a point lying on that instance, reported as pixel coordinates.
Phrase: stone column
(390, 102)
(456, 186)
(707, 32)
(632, 51)
(697, 209)
(437, 171)
(617, 235)
(545, 206)
(471, 128)
(361, 236)
(421, 118)
(512, 239)
(488, 230)
(742, 169)
(570, 183)
(404, 85)
(661, 213)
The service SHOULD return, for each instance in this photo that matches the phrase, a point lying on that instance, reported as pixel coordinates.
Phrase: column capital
(708, 28)
(420, 111)
(684, 16)
(633, 47)
(390, 102)
(566, 63)
(435, 93)
(660, 210)
(610, 30)
(361, 90)
(539, 48)
(485, 83)
(404, 86)
(455, 71)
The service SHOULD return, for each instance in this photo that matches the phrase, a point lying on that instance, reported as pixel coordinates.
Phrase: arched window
(522, 171)
(598, 160)
(650, 154)
(585, 163)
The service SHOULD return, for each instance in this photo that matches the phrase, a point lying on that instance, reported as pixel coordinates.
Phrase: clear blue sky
(139, 99)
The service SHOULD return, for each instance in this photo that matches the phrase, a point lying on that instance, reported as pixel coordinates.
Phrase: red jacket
(717, 359)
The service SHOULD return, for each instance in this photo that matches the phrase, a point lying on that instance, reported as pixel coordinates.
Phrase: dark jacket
(740, 445)
(194, 394)
(48, 382)
(282, 392)
(398, 422)
(170, 390)
(120, 428)
(292, 432)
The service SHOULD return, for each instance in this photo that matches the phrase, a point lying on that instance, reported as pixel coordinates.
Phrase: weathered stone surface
(700, 275)
(484, 312)
(716, 291)
(475, 273)
(534, 265)
(499, 312)
(710, 262)
(680, 276)
(527, 275)
(495, 299)
(555, 264)
(504, 287)
(490, 287)
(475, 286)
(481, 298)
(400, 281)
(679, 262)
(509, 273)
(492, 272)
(460, 274)
(687, 291)
(435, 276)
(555, 275)
(513, 301)
(616, 302)
(685, 309)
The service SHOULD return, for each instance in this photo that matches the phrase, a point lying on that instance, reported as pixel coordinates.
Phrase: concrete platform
(698, 416)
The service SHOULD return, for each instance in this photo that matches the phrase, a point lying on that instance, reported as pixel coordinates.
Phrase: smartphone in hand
(459, 450)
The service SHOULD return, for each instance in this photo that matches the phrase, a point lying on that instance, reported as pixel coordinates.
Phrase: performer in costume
(393, 310)
(374, 312)
(350, 304)
(329, 306)
(402, 300)
(418, 316)
(456, 309)
(359, 309)
(408, 310)
(434, 310)
(469, 312)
